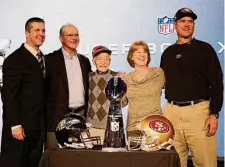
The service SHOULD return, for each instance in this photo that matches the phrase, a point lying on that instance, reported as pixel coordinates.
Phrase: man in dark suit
(68, 81)
(23, 100)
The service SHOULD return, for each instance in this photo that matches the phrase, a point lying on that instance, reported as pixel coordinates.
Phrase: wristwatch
(215, 115)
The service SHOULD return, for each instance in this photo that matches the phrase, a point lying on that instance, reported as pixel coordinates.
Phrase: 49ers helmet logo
(159, 126)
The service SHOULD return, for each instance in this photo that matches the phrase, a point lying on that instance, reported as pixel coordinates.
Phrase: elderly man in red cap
(98, 104)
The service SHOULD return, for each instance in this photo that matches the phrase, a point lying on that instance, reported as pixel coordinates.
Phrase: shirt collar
(67, 56)
(31, 50)
(186, 43)
(101, 73)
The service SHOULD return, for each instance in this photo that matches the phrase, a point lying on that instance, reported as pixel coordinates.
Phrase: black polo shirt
(192, 71)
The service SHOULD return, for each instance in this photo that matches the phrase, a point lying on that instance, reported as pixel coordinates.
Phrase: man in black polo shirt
(194, 91)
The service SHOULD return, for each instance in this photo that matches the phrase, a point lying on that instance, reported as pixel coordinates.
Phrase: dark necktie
(41, 63)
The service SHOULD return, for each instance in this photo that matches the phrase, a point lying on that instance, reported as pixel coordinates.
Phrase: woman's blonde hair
(135, 46)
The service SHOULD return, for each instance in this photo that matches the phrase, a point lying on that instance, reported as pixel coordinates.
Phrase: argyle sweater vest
(98, 104)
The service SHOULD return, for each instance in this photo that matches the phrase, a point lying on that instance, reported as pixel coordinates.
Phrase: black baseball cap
(184, 12)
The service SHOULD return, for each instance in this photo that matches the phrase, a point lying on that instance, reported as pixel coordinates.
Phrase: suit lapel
(29, 56)
(62, 67)
(46, 65)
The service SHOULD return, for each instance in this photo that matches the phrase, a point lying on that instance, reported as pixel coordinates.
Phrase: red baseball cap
(100, 49)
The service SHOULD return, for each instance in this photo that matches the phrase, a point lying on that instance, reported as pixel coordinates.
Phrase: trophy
(4, 47)
(114, 133)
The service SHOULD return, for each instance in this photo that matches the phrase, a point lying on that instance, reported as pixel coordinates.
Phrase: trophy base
(111, 149)
(114, 134)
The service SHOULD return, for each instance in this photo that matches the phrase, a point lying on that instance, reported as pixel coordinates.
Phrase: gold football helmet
(155, 132)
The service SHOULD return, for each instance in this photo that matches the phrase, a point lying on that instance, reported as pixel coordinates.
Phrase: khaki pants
(188, 123)
(98, 132)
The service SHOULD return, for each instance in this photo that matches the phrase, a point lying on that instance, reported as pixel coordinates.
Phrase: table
(92, 158)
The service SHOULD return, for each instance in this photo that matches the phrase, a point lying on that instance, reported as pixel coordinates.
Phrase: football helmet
(73, 132)
(155, 132)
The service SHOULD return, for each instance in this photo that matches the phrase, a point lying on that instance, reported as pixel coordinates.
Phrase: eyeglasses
(71, 35)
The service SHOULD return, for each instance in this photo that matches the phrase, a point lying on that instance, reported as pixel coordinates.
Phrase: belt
(77, 109)
(185, 103)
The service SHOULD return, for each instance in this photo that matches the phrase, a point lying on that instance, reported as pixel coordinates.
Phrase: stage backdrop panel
(116, 24)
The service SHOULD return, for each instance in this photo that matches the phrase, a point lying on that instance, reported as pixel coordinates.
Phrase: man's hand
(122, 74)
(18, 133)
(211, 125)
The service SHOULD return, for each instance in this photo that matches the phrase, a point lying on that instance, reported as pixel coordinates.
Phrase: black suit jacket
(23, 91)
(58, 91)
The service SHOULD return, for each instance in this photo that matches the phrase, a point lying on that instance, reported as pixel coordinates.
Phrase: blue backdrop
(117, 24)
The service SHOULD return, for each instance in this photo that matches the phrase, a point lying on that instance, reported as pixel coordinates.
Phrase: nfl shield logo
(165, 25)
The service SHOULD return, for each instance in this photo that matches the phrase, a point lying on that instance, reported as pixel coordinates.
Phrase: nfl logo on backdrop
(165, 25)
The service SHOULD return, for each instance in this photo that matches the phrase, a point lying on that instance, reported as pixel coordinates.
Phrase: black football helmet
(73, 132)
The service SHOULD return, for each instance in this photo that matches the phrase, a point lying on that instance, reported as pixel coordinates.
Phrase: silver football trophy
(4, 47)
(114, 134)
